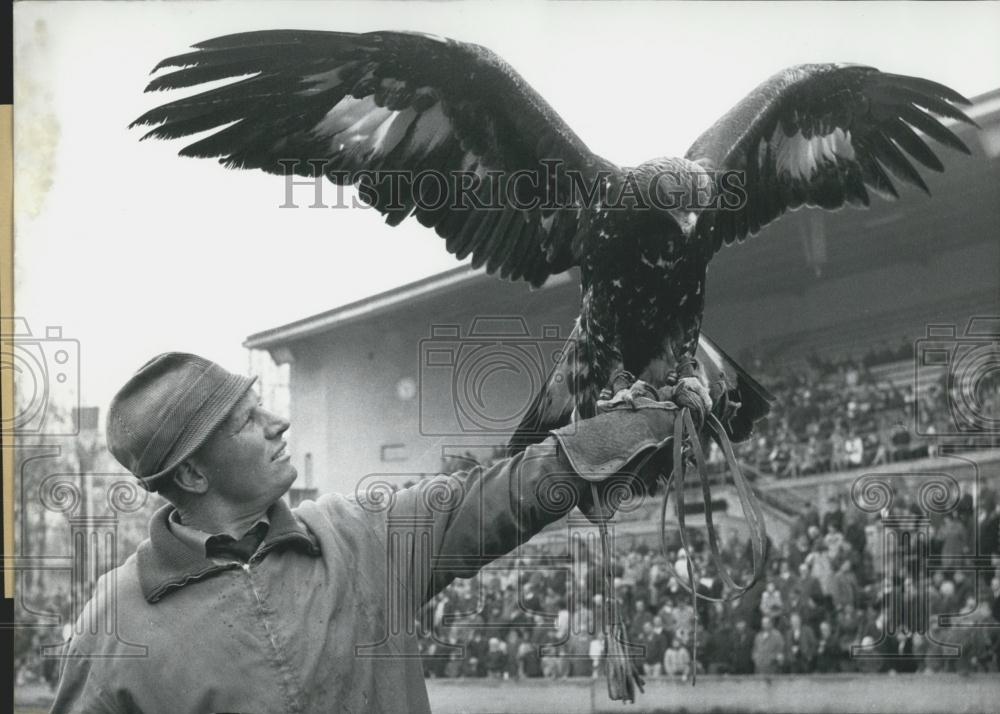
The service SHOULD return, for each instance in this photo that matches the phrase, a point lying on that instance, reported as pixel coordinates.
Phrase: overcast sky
(133, 250)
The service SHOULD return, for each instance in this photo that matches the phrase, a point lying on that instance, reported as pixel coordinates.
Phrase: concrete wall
(351, 410)
(832, 694)
(971, 470)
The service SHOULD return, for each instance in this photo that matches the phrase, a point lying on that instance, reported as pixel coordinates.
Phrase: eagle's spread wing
(393, 101)
(822, 135)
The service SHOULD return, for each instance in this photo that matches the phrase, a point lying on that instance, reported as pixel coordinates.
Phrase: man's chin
(290, 473)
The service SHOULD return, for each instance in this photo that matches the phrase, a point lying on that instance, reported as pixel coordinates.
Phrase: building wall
(365, 401)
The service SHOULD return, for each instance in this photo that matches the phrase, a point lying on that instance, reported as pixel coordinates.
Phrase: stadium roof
(370, 307)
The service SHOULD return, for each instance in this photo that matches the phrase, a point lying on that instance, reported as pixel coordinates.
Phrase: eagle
(523, 196)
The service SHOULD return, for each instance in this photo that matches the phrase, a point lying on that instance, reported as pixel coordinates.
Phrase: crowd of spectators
(838, 416)
(824, 606)
(534, 614)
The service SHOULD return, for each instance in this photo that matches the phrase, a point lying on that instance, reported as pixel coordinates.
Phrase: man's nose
(276, 426)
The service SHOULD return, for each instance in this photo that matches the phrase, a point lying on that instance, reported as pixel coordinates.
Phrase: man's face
(246, 459)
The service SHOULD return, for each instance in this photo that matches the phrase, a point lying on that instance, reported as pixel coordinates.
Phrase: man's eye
(245, 423)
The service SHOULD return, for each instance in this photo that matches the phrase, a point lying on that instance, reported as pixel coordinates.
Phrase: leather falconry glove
(621, 447)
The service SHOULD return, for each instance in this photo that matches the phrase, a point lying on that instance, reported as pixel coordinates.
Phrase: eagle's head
(680, 188)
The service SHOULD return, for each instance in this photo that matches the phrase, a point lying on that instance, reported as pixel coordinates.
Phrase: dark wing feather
(823, 135)
(553, 406)
(753, 398)
(389, 101)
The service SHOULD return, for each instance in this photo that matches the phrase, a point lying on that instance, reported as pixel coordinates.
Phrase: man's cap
(167, 410)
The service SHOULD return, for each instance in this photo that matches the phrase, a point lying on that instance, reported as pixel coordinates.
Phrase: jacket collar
(165, 563)
(197, 539)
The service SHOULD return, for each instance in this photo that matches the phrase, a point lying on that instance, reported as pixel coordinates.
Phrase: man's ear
(189, 478)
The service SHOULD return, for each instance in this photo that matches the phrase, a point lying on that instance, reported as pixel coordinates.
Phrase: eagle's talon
(627, 396)
(623, 380)
(698, 387)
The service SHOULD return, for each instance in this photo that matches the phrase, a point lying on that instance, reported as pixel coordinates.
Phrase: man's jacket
(322, 618)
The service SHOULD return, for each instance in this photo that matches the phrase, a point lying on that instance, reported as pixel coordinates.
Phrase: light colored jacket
(322, 618)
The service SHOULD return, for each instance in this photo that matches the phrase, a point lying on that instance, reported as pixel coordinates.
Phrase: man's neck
(234, 520)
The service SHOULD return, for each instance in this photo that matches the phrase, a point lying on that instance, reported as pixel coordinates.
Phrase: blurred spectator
(834, 516)
(829, 654)
(740, 659)
(869, 661)
(496, 659)
(677, 660)
(655, 641)
(639, 621)
(989, 531)
(800, 651)
(953, 536)
(854, 448)
(898, 654)
(844, 586)
(529, 664)
(771, 604)
(475, 663)
(768, 649)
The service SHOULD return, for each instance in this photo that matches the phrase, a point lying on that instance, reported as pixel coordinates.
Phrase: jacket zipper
(245, 567)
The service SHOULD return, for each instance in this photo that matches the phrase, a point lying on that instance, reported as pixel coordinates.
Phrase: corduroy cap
(167, 410)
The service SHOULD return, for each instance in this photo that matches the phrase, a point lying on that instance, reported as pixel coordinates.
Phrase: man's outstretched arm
(459, 523)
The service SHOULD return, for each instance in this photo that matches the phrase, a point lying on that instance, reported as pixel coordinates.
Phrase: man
(834, 516)
(245, 605)
(828, 651)
(639, 621)
(739, 658)
(768, 649)
(844, 587)
(677, 660)
(655, 640)
(800, 646)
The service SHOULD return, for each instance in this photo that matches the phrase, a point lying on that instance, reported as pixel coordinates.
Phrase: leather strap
(623, 676)
(685, 433)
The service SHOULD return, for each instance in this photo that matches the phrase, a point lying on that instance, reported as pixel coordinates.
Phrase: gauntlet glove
(621, 447)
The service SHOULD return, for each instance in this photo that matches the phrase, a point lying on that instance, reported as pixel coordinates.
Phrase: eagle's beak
(686, 220)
